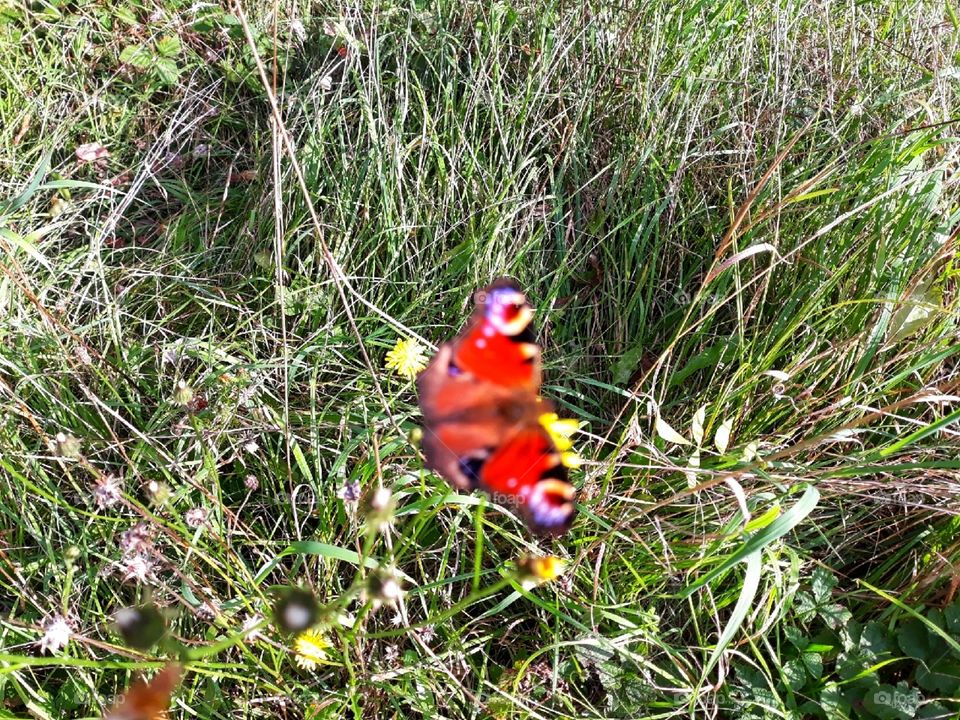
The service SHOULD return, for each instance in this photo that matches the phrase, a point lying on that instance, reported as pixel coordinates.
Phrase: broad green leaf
(813, 663)
(822, 583)
(169, 46)
(167, 70)
(137, 55)
(834, 615)
(794, 673)
(125, 15)
(795, 637)
(892, 703)
(942, 678)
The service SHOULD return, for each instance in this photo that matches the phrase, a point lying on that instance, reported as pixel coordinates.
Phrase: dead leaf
(238, 177)
(88, 152)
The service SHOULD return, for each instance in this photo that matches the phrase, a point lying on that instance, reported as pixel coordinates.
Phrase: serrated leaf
(169, 46)
(137, 55)
(696, 426)
(722, 437)
(822, 583)
(804, 606)
(833, 702)
(834, 615)
(167, 70)
(794, 673)
(668, 433)
(813, 663)
(795, 637)
(125, 15)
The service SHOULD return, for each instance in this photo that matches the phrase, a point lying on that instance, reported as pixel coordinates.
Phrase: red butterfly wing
(498, 345)
(527, 471)
(481, 410)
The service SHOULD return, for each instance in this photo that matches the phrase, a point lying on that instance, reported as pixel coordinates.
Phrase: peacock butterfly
(485, 424)
(148, 700)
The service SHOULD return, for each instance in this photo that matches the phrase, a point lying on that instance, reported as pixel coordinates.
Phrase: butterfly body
(483, 413)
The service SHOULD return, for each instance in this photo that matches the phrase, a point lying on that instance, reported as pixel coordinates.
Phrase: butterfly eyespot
(550, 506)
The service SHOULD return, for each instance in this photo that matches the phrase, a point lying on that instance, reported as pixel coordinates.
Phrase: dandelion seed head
(56, 634)
(137, 540)
(251, 627)
(195, 517)
(106, 493)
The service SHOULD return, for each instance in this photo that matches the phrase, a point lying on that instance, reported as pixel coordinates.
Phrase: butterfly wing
(480, 385)
(498, 344)
(481, 409)
(148, 700)
(527, 470)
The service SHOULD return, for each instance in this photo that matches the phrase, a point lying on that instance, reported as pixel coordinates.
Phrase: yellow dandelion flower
(310, 649)
(407, 358)
(533, 570)
(571, 460)
(561, 430)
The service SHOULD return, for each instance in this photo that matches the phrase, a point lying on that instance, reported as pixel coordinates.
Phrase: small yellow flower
(561, 430)
(571, 460)
(310, 649)
(407, 358)
(533, 570)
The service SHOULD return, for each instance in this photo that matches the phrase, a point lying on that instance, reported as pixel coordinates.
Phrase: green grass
(747, 209)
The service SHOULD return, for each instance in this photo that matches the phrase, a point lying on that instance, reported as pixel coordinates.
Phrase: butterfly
(148, 700)
(485, 424)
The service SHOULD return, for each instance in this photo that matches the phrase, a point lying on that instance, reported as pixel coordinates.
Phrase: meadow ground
(738, 224)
